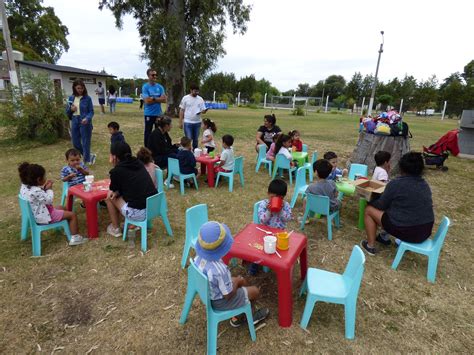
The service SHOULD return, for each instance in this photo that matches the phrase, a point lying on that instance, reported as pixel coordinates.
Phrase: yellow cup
(283, 241)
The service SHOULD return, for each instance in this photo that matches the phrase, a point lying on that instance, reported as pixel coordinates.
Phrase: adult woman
(160, 143)
(80, 111)
(266, 132)
(112, 96)
(405, 209)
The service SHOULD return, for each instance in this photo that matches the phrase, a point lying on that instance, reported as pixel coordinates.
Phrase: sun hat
(214, 241)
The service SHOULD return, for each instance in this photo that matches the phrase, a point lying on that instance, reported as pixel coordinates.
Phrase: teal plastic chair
(319, 205)
(238, 169)
(155, 207)
(196, 216)
(355, 169)
(198, 284)
(309, 166)
(430, 248)
(64, 193)
(159, 179)
(255, 212)
(173, 170)
(330, 287)
(262, 158)
(27, 219)
(300, 185)
(304, 148)
(282, 163)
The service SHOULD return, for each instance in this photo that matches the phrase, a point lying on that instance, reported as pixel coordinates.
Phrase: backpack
(382, 129)
(400, 129)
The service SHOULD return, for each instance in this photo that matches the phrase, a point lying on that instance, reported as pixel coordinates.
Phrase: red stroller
(437, 153)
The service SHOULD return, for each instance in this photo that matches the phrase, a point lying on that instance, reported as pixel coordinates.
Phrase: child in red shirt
(296, 141)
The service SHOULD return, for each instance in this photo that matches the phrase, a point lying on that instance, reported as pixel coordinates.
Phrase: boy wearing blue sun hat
(227, 292)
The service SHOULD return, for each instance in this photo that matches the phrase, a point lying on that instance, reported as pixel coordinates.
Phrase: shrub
(228, 98)
(256, 98)
(37, 110)
(298, 111)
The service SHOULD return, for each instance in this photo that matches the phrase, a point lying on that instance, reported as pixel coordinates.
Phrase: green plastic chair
(173, 170)
(262, 158)
(282, 163)
(196, 216)
(155, 207)
(300, 185)
(27, 219)
(330, 287)
(238, 169)
(430, 248)
(319, 205)
(199, 284)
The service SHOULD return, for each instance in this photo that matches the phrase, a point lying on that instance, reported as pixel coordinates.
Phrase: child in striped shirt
(75, 171)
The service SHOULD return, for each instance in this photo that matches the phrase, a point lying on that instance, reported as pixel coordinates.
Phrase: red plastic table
(207, 163)
(283, 267)
(90, 199)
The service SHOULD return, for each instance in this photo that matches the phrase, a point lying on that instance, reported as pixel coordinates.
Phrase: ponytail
(210, 123)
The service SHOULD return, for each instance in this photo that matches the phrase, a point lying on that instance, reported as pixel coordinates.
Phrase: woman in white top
(207, 140)
(112, 96)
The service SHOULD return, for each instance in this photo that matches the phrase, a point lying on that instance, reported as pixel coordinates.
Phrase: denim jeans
(112, 103)
(150, 123)
(192, 130)
(81, 137)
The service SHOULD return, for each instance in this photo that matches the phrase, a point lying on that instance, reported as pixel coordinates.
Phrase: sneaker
(170, 186)
(383, 241)
(93, 158)
(300, 219)
(365, 246)
(114, 232)
(238, 321)
(258, 316)
(397, 242)
(77, 240)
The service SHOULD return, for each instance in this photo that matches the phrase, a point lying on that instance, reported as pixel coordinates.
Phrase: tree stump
(369, 144)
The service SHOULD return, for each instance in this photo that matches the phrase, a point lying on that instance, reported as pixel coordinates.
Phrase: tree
(182, 39)
(354, 87)
(334, 86)
(221, 83)
(407, 92)
(264, 86)
(247, 86)
(469, 71)
(38, 28)
(453, 90)
(385, 100)
(426, 94)
(303, 90)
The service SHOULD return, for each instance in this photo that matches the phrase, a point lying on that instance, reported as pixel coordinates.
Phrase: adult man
(191, 107)
(153, 95)
(100, 92)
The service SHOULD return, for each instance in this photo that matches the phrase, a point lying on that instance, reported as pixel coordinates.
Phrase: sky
(300, 41)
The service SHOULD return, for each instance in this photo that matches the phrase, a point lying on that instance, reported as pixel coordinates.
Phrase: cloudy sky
(291, 42)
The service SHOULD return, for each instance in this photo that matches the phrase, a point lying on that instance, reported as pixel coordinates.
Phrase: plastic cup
(204, 150)
(212, 154)
(89, 178)
(276, 204)
(269, 244)
(283, 241)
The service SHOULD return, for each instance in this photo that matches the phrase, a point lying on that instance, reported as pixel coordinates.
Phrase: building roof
(62, 68)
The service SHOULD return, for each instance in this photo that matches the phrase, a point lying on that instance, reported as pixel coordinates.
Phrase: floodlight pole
(8, 45)
(322, 96)
(401, 107)
(362, 108)
(214, 97)
(265, 101)
(372, 96)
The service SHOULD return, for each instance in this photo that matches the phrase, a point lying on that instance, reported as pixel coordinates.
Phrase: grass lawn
(109, 297)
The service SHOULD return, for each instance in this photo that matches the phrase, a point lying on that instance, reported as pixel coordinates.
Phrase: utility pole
(372, 96)
(8, 45)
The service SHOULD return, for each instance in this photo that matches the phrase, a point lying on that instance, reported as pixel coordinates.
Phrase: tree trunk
(369, 144)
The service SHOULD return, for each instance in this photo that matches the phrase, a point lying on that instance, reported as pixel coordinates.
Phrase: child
(382, 159)
(187, 161)
(145, 156)
(227, 292)
(208, 135)
(130, 186)
(75, 170)
(39, 193)
(296, 141)
(324, 186)
(282, 145)
(271, 151)
(226, 163)
(277, 187)
(115, 134)
(332, 158)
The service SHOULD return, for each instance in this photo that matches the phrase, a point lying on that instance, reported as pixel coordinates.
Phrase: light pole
(322, 96)
(372, 96)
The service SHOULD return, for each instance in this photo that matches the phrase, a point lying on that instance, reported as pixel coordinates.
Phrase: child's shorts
(241, 298)
(219, 169)
(133, 214)
(56, 214)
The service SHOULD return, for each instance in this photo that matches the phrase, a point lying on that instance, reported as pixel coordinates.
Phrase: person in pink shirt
(271, 151)
(146, 157)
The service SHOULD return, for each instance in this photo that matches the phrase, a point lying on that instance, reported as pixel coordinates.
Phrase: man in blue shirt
(153, 95)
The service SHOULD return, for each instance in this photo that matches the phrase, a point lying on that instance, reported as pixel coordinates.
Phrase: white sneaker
(300, 219)
(93, 158)
(77, 239)
(170, 186)
(114, 232)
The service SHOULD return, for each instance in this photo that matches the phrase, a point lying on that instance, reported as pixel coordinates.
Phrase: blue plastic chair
(304, 148)
(430, 248)
(355, 169)
(255, 212)
(64, 193)
(300, 185)
(27, 219)
(155, 207)
(159, 179)
(199, 284)
(262, 158)
(196, 216)
(319, 205)
(238, 169)
(330, 287)
(282, 163)
(309, 166)
(173, 170)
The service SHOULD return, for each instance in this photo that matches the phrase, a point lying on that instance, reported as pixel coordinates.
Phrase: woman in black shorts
(405, 209)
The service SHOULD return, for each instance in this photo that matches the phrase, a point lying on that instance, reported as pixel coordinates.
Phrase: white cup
(90, 178)
(269, 244)
(204, 150)
(197, 152)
